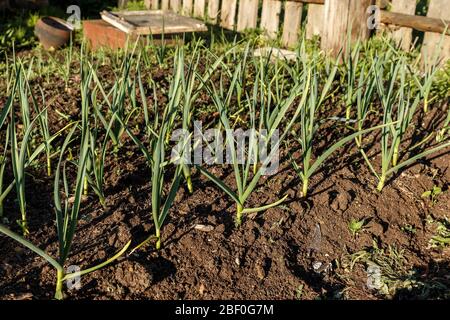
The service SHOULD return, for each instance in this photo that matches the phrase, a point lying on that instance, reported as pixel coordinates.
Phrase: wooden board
(292, 22)
(420, 23)
(213, 10)
(315, 20)
(247, 14)
(434, 42)
(270, 17)
(403, 36)
(199, 8)
(228, 14)
(152, 22)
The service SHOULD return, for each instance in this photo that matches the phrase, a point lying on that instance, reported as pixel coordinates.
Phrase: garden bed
(301, 249)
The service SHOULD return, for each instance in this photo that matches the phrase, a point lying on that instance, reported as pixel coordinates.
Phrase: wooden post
(292, 21)
(434, 43)
(403, 36)
(341, 18)
(314, 20)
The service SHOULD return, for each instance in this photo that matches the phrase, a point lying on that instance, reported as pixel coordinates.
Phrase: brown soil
(273, 255)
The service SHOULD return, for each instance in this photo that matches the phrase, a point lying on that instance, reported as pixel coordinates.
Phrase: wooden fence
(329, 19)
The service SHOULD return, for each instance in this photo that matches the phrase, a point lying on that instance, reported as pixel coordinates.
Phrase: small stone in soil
(201, 290)
(260, 271)
(320, 267)
(204, 228)
(316, 266)
(315, 239)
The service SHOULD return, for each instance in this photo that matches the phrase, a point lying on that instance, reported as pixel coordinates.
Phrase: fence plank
(213, 10)
(270, 17)
(175, 5)
(339, 17)
(151, 4)
(334, 25)
(358, 19)
(247, 14)
(122, 4)
(164, 4)
(314, 20)
(228, 13)
(187, 7)
(199, 8)
(403, 36)
(292, 22)
(437, 9)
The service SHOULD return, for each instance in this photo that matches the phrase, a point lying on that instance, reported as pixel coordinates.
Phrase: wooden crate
(153, 22)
